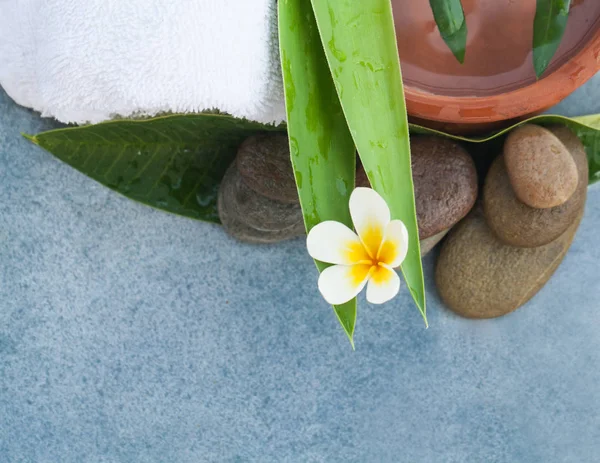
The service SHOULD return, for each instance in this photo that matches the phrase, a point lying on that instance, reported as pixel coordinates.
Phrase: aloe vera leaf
(360, 43)
(323, 153)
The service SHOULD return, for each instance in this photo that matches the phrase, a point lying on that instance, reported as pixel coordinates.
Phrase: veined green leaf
(450, 19)
(218, 142)
(174, 163)
(360, 44)
(323, 153)
(548, 28)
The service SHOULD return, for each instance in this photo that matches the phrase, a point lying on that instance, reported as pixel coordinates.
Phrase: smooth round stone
(264, 162)
(259, 211)
(445, 182)
(518, 224)
(478, 276)
(235, 221)
(541, 169)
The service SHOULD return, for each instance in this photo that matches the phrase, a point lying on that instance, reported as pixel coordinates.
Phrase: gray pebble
(235, 221)
(264, 162)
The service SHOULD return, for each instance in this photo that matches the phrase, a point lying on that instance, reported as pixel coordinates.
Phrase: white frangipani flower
(364, 259)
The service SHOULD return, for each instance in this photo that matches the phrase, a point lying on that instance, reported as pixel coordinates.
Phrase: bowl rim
(514, 104)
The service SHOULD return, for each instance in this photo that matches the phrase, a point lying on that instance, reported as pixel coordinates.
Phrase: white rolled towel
(86, 61)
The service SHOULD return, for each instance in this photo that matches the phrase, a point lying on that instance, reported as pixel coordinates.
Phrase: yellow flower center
(371, 256)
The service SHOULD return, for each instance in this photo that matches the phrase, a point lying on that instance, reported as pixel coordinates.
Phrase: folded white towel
(92, 60)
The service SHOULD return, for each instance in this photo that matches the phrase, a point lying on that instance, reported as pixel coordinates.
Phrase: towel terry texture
(91, 60)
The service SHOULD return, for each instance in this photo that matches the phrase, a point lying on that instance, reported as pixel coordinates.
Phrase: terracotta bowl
(496, 85)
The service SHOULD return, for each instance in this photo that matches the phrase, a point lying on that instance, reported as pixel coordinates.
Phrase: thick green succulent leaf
(174, 163)
(323, 153)
(360, 43)
(450, 19)
(548, 28)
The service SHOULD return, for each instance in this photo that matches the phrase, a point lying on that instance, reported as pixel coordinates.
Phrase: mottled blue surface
(131, 335)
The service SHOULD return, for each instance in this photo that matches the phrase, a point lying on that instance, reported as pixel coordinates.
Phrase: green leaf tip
(422, 309)
(450, 19)
(352, 343)
(31, 138)
(346, 315)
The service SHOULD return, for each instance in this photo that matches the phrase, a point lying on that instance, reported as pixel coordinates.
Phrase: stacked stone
(258, 200)
(494, 260)
(506, 250)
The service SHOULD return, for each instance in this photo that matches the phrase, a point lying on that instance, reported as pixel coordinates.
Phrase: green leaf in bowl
(450, 19)
(548, 28)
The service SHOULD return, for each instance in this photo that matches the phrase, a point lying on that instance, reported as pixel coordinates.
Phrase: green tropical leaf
(219, 141)
(360, 44)
(450, 19)
(548, 28)
(174, 163)
(323, 153)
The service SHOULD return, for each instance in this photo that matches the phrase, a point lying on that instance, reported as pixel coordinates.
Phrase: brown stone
(478, 276)
(541, 169)
(518, 224)
(239, 211)
(264, 162)
(445, 182)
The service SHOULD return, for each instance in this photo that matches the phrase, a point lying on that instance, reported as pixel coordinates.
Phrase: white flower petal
(334, 243)
(383, 285)
(394, 245)
(340, 283)
(370, 215)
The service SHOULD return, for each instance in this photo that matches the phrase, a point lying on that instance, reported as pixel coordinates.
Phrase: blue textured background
(131, 335)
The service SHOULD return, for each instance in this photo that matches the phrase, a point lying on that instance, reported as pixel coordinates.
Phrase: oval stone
(445, 182)
(264, 162)
(518, 224)
(541, 169)
(238, 216)
(478, 276)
